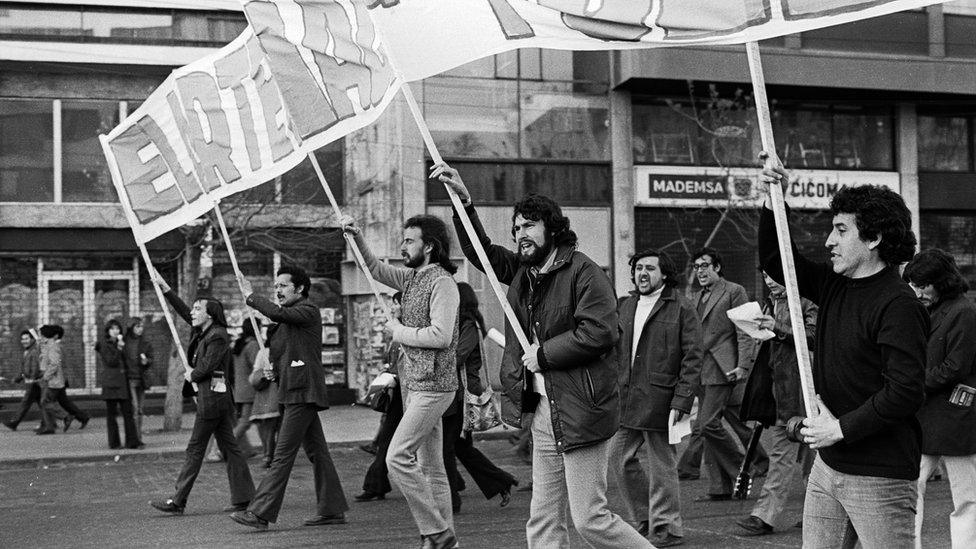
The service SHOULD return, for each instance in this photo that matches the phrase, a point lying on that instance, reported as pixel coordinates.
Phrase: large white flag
(308, 72)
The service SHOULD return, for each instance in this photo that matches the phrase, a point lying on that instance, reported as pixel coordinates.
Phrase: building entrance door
(82, 302)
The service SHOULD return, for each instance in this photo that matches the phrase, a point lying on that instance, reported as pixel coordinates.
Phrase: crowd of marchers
(600, 382)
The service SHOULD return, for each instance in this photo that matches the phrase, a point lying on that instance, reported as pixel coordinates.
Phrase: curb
(140, 456)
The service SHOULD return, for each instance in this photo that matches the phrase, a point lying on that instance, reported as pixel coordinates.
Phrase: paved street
(104, 504)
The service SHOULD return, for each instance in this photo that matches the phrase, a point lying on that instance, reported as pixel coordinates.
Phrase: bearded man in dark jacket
(565, 305)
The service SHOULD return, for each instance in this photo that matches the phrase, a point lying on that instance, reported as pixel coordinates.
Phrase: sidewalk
(343, 425)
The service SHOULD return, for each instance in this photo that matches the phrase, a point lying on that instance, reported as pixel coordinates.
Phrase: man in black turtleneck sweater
(869, 373)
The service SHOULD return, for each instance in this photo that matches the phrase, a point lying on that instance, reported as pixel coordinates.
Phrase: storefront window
(803, 137)
(84, 172)
(944, 144)
(18, 300)
(26, 151)
(473, 117)
(579, 184)
(555, 123)
(954, 232)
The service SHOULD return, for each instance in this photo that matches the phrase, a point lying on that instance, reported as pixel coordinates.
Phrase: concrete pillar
(937, 37)
(621, 135)
(907, 139)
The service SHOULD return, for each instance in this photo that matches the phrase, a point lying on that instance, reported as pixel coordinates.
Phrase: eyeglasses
(701, 266)
(282, 286)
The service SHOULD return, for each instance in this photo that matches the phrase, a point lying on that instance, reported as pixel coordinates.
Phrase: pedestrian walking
(264, 409)
(54, 394)
(296, 363)
(30, 372)
(948, 417)
(773, 396)
(728, 356)
(212, 372)
(376, 483)
(491, 479)
(115, 387)
(138, 358)
(659, 358)
(870, 368)
(428, 335)
(244, 352)
(565, 305)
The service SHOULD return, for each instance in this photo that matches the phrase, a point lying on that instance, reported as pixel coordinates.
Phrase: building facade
(653, 148)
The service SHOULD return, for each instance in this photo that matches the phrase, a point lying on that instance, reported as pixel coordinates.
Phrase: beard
(537, 256)
(413, 261)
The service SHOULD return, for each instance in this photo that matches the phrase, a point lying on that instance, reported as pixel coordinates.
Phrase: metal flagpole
(466, 221)
(783, 234)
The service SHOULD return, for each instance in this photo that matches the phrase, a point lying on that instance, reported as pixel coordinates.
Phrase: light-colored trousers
(645, 468)
(962, 484)
(577, 478)
(416, 462)
(783, 469)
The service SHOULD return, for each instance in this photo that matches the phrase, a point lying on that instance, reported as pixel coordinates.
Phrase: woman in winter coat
(138, 357)
(245, 349)
(115, 387)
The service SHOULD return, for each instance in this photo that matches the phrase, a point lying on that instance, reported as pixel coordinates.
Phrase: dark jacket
(208, 352)
(572, 311)
(30, 368)
(665, 369)
(135, 346)
(948, 429)
(773, 393)
(296, 350)
(725, 346)
(115, 385)
(468, 363)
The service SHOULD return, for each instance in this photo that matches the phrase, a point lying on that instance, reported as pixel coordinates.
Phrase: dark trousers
(491, 479)
(300, 426)
(32, 395)
(722, 457)
(238, 475)
(51, 399)
(451, 426)
(112, 407)
(268, 432)
(377, 479)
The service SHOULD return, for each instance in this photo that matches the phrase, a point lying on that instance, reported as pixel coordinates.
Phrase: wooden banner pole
(783, 234)
(466, 221)
(237, 272)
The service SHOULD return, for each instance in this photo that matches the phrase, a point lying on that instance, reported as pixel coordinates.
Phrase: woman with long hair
(138, 358)
(115, 387)
(491, 479)
(212, 372)
(245, 350)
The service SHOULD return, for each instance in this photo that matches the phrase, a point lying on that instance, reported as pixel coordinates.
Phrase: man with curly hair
(870, 369)
(567, 377)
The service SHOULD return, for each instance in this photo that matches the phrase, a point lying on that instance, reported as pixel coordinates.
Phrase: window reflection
(943, 144)
(473, 117)
(26, 151)
(84, 172)
(556, 123)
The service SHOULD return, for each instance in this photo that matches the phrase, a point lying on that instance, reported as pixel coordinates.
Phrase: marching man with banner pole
(567, 376)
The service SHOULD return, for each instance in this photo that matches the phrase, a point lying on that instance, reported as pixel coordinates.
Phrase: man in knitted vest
(428, 333)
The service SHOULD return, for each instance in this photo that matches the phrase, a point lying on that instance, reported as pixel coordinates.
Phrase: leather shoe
(754, 526)
(666, 539)
(67, 424)
(46, 432)
(248, 518)
(440, 540)
(714, 497)
(168, 506)
(10, 425)
(370, 496)
(237, 507)
(322, 520)
(83, 422)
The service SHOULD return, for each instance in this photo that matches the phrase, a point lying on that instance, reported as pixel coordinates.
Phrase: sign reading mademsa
(693, 186)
